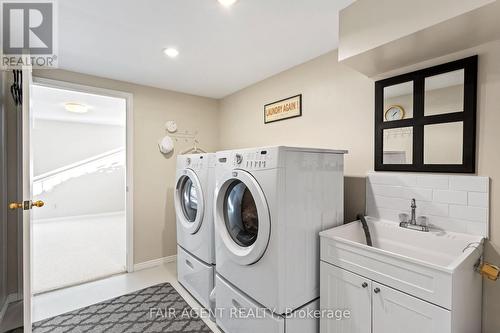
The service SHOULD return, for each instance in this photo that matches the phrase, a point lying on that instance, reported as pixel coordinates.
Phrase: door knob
(21, 205)
(15, 205)
(364, 285)
(376, 290)
(38, 204)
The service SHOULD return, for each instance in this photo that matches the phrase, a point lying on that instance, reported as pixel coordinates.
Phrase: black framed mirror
(425, 121)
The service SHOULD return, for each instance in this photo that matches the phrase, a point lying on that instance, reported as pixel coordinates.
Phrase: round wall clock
(394, 112)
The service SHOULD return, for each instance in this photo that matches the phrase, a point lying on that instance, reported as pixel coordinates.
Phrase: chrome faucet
(420, 225)
(413, 219)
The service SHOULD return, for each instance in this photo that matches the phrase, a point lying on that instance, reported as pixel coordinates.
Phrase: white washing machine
(270, 205)
(193, 199)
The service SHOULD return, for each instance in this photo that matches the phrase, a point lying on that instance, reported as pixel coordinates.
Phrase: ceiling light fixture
(171, 52)
(76, 107)
(227, 3)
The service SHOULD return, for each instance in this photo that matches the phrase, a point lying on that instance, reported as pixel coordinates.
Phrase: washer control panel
(253, 160)
(196, 161)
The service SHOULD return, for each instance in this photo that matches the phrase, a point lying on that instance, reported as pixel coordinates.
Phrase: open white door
(27, 176)
(25, 202)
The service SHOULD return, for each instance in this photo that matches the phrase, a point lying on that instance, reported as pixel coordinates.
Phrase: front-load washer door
(189, 201)
(242, 217)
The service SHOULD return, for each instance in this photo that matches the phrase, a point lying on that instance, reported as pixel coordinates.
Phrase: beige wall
(338, 112)
(338, 106)
(154, 216)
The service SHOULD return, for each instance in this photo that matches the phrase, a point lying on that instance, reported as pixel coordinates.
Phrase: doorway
(82, 173)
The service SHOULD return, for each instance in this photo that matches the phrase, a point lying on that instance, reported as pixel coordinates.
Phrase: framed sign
(283, 109)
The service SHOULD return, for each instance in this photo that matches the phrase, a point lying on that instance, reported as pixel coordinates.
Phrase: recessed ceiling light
(171, 52)
(76, 107)
(227, 3)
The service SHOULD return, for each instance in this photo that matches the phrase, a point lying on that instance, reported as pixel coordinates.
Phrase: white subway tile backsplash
(478, 214)
(477, 228)
(448, 224)
(402, 192)
(437, 182)
(451, 197)
(382, 213)
(478, 199)
(423, 194)
(432, 208)
(469, 183)
(387, 191)
(451, 202)
(391, 203)
(389, 179)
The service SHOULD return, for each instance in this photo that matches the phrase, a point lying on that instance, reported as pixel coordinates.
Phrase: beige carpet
(77, 250)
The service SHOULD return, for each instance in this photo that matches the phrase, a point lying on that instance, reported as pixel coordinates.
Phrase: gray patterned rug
(155, 309)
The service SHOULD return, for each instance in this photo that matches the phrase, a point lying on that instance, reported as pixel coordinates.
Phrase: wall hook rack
(184, 134)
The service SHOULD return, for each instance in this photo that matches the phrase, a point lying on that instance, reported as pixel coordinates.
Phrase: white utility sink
(436, 266)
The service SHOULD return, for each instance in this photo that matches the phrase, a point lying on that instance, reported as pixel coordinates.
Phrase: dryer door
(189, 201)
(242, 217)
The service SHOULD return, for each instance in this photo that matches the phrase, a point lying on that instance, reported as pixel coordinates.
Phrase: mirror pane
(443, 143)
(398, 101)
(444, 93)
(398, 145)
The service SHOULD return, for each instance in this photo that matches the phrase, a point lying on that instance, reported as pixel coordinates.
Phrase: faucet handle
(413, 203)
(422, 220)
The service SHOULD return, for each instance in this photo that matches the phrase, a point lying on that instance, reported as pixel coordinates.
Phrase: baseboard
(11, 298)
(154, 262)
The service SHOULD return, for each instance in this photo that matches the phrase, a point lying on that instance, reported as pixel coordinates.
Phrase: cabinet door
(345, 301)
(396, 312)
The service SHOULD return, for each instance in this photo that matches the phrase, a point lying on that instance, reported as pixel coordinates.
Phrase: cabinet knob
(376, 290)
(364, 285)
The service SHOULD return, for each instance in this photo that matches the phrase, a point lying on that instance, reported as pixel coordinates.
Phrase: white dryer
(270, 205)
(193, 199)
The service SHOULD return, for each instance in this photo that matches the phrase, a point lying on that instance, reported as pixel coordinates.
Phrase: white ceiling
(222, 50)
(48, 104)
